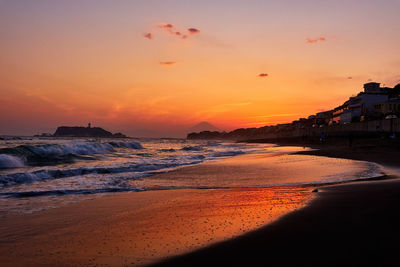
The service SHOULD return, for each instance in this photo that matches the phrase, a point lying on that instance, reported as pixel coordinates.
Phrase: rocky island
(79, 131)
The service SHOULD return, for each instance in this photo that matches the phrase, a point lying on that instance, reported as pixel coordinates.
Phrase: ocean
(43, 173)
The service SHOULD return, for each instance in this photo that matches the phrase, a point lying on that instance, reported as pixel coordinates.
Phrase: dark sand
(346, 225)
(356, 224)
(382, 151)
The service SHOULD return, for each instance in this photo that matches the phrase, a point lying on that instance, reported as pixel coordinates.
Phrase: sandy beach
(346, 225)
(202, 226)
(140, 228)
(351, 224)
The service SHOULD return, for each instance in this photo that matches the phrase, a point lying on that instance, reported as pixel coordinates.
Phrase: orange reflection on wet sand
(140, 228)
(212, 215)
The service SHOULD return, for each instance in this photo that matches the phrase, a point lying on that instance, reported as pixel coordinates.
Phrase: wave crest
(69, 148)
(132, 144)
(8, 162)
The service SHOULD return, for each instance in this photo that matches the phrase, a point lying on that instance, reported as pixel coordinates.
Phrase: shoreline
(382, 151)
(140, 228)
(119, 220)
(351, 223)
(354, 224)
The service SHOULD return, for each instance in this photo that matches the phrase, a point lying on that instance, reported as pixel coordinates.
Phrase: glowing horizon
(157, 67)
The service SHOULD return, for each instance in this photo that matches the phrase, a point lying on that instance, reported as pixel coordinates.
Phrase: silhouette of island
(79, 131)
(201, 127)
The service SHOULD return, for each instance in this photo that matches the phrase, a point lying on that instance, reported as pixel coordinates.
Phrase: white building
(363, 103)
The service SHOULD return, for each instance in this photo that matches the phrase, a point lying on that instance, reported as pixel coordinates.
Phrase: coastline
(383, 151)
(353, 224)
(372, 153)
(347, 224)
(108, 230)
(140, 228)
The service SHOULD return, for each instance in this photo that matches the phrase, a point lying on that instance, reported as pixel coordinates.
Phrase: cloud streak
(193, 30)
(148, 35)
(276, 115)
(164, 25)
(316, 40)
(262, 75)
(168, 63)
(171, 29)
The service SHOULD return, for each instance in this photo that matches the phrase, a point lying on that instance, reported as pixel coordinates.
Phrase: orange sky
(68, 63)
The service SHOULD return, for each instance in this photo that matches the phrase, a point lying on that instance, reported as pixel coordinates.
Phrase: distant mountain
(202, 126)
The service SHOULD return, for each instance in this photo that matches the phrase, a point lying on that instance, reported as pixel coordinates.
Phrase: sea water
(41, 173)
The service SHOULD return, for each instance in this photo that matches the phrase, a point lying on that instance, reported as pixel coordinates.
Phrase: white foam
(8, 162)
(75, 147)
(82, 148)
(132, 144)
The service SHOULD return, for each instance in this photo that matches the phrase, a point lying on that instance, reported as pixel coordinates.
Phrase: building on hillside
(362, 105)
(373, 88)
(337, 112)
(303, 123)
(322, 118)
(390, 107)
(311, 117)
(372, 94)
(352, 111)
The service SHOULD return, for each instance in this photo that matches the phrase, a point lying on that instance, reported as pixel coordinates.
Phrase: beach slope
(346, 225)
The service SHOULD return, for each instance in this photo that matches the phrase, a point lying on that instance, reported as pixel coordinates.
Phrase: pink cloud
(312, 41)
(168, 63)
(193, 30)
(148, 36)
(168, 28)
(164, 25)
(179, 34)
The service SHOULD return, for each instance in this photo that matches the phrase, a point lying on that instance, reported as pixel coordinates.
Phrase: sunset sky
(153, 68)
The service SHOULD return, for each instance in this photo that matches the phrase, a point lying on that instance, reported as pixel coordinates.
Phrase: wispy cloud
(313, 41)
(276, 115)
(171, 29)
(168, 63)
(193, 30)
(262, 75)
(164, 25)
(179, 34)
(148, 35)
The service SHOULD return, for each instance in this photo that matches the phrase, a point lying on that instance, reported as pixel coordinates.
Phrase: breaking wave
(192, 148)
(8, 162)
(135, 170)
(133, 145)
(60, 152)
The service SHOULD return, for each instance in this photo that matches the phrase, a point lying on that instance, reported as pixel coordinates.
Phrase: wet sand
(145, 227)
(388, 155)
(343, 224)
(353, 224)
(346, 225)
